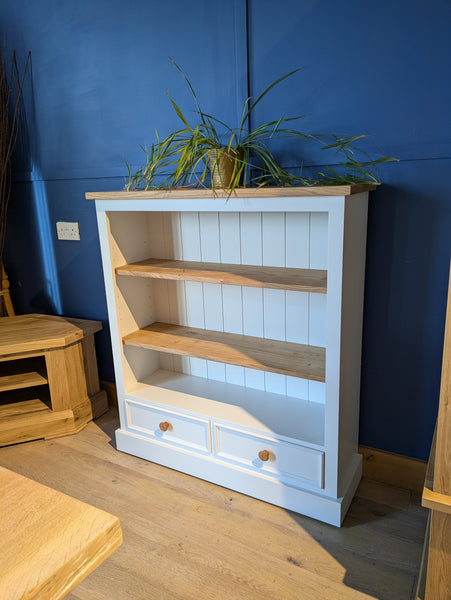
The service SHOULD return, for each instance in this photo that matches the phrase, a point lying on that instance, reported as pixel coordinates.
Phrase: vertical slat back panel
(230, 243)
(296, 240)
(318, 240)
(190, 234)
(252, 254)
(297, 321)
(297, 255)
(297, 248)
(212, 293)
(274, 313)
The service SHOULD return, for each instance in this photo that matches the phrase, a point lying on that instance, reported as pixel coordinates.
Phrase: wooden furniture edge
(442, 454)
(436, 490)
(89, 544)
(268, 192)
(437, 485)
(5, 294)
(432, 499)
(77, 329)
(436, 501)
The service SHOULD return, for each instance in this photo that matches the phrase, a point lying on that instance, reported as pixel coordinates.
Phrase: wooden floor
(186, 539)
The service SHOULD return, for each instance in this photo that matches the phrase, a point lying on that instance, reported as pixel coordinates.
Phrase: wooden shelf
(286, 358)
(301, 280)
(21, 380)
(18, 409)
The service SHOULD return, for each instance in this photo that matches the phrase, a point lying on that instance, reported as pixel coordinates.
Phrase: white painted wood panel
(286, 460)
(297, 240)
(318, 240)
(252, 298)
(230, 243)
(251, 238)
(297, 331)
(297, 255)
(253, 325)
(230, 239)
(194, 299)
(319, 236)
(274, 312)
(182, 430)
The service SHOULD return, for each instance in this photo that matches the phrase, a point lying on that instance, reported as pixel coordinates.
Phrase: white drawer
(168, 426)
(284, 460)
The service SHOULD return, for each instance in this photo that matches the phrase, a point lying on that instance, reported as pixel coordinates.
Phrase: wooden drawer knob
(263, 455)
(164, 425)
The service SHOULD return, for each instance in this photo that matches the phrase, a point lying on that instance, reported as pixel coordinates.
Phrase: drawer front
(168, 426)
(284, 460)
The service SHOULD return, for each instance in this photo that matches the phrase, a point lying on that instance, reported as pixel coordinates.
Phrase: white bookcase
(236, 330)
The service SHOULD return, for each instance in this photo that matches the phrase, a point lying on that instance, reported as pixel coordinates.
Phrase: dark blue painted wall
(97, 88)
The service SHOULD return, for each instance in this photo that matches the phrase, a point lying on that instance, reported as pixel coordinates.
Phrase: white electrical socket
(67, 231)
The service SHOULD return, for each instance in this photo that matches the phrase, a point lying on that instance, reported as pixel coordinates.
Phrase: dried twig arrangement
(11, 87)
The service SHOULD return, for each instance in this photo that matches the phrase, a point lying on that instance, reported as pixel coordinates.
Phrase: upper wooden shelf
(286, 358)
(262, 192)
(301, 280)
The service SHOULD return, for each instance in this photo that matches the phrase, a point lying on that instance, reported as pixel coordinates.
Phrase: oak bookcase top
(263, 192)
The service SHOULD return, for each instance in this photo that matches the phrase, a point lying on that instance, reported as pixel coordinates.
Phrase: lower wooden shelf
(286, 358)
(32, 419)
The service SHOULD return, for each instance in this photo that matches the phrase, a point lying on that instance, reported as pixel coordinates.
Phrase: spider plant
(198, 154)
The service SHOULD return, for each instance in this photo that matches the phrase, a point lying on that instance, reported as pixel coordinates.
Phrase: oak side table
(49, 384)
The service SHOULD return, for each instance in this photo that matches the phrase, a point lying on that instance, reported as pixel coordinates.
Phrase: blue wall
(98, 87)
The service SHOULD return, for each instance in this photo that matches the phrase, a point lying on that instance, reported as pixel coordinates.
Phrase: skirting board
(378, 465)
(393, 469)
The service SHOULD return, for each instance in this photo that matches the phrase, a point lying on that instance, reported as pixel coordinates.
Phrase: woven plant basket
(221, 163)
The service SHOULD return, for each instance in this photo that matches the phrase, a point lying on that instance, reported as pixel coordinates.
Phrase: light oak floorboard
(187, 539)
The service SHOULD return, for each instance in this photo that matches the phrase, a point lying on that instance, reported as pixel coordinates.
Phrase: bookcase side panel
(354, 260)
(335, 234)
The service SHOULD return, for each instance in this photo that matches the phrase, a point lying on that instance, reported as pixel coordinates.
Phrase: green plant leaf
(252, 105)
